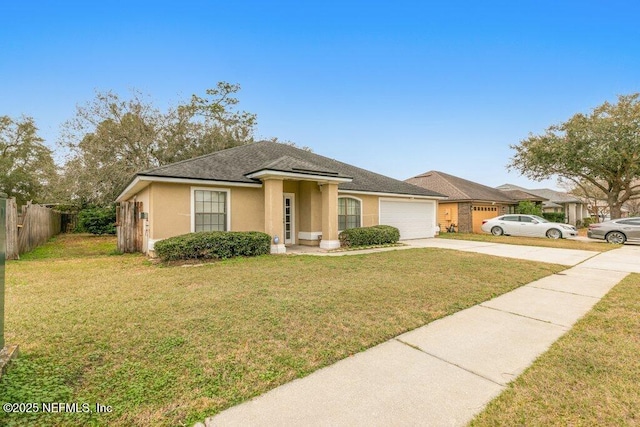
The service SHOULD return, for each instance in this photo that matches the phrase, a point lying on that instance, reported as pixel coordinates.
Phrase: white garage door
(414, 219)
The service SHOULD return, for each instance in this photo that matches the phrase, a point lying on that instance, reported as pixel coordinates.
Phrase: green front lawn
(65, 246)
(173, 345)
(590, 377)
(595, 245)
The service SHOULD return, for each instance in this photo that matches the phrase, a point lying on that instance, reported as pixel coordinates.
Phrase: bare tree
(111, 138)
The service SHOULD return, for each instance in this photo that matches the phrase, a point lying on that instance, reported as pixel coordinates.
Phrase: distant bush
(213, 245)
(529, 208)
(366, 236)
(587, 222)
(554, 216)
(97, 220)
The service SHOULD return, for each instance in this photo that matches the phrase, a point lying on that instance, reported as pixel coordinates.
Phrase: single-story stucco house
(294, 195)
(468, 204)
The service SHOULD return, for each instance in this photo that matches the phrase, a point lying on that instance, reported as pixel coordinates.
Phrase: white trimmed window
(349, 213)
(210, 210)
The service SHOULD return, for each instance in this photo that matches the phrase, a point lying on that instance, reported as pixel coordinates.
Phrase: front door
(289, 219)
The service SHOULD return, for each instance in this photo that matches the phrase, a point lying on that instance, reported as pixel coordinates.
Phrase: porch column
(273, 214)
(329, 217)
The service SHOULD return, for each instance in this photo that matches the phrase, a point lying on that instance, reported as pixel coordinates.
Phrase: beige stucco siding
(370, 210)
(170, 210)
(247, 209)
(447, 215)
(171, 214)
(310, 207)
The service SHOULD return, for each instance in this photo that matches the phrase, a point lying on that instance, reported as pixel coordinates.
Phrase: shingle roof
(546, 193)
(548, 204)
(291, 164)
(233, 164)
(458, 188)
(523, 195)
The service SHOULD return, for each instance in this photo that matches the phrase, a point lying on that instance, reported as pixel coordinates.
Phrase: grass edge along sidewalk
(597, 246)
(588, 377)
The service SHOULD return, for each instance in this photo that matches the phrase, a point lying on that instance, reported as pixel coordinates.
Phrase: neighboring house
(523, 196)
(469, 203)
(574, 208)
(292, 194)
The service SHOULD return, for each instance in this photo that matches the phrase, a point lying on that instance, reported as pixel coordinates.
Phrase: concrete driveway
(533, 253)
(446, 372)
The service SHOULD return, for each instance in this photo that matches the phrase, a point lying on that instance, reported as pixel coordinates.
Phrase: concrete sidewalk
(444, 373)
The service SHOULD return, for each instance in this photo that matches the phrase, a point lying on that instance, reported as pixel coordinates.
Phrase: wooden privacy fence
(129, 226)
(32, 227)
(12, 229)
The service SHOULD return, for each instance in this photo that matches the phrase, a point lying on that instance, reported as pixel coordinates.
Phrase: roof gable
(293, 165)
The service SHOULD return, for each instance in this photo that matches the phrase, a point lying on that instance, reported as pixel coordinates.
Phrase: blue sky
(396, 87)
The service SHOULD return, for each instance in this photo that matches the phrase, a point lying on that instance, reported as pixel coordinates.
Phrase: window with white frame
(349, 213)
(210, 210)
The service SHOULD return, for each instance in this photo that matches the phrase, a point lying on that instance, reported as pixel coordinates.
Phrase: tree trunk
(615, 207)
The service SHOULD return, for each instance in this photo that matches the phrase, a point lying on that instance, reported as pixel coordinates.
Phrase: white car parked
(527, 225)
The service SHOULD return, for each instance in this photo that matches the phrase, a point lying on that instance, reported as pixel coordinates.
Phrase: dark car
(616, 230)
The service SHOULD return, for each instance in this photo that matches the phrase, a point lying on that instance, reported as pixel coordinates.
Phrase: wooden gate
(68, 222)
(129, 226)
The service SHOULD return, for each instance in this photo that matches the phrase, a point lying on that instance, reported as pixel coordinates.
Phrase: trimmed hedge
(366, 236)
(554, 216)
(213, 245)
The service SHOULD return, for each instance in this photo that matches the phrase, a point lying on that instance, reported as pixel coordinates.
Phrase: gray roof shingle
(233, 164)
(290, 164)
(521, 195)
(458, 188)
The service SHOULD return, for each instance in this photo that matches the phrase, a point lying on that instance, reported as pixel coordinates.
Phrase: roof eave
(142, 181)
(390, 194)
(503, 202)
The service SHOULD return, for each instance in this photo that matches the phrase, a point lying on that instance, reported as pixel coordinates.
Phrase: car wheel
(554, 233)
(497, 231)
(616, 237)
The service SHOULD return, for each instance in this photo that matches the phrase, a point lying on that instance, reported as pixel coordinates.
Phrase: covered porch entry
(300, 206)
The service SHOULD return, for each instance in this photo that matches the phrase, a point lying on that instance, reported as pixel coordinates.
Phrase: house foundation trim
(278, 249)
(309, 235)
(329, 244)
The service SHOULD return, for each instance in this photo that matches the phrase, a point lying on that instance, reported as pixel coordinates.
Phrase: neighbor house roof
(459, 189)
(521, 195)
(243, 165)
(553, 196)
